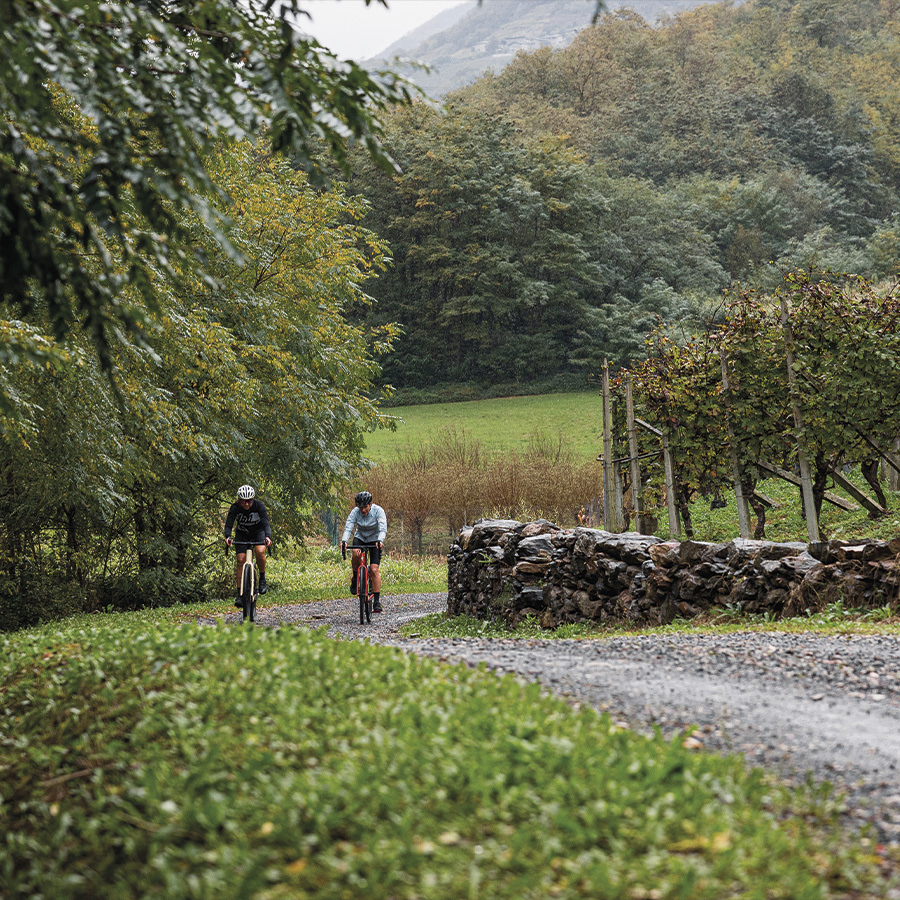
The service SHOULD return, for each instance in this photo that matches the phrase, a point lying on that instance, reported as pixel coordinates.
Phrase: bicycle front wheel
(247, 590)
(362, 587)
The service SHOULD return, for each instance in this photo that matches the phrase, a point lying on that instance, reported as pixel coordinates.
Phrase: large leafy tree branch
(109, 111)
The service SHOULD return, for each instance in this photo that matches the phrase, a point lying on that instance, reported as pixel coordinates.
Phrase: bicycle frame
(363, 582)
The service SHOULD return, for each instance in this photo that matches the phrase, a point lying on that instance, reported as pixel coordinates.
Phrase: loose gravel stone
(790, 703)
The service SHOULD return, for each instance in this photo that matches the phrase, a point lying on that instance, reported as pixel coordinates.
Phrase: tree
(110, 110)
(111, 496)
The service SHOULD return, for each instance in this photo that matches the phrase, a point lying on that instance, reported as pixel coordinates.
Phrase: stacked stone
(692, 577)
(502, 569)
(863, 575)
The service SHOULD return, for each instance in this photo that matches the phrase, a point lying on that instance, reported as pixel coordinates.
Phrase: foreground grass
(226, 762)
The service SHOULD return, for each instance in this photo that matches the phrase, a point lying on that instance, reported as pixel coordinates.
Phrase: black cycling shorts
(374, 554)
(243, 541)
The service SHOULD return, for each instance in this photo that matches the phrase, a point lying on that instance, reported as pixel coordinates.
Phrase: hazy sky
(356, 31)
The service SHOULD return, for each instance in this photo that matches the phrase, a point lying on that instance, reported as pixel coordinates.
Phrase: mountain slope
(463, 43)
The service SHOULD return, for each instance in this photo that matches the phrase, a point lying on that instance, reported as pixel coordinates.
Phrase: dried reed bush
(458, 479)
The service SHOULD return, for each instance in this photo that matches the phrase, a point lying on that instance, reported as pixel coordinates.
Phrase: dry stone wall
(503, 569)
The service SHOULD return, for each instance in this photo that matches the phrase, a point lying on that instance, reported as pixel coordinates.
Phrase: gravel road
(791, 703)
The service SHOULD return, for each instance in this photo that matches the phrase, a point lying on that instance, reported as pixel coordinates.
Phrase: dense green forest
(554, 212)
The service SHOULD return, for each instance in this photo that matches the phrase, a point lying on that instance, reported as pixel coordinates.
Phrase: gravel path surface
(789, 703)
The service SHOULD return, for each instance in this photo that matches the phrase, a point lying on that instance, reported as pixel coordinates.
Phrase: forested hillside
(463, 43)
(556, 209)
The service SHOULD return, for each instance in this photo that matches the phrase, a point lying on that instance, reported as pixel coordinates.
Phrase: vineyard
(803, 384)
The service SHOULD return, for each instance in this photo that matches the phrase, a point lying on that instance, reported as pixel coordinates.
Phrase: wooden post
(743, 507)
(620, 499)
(609, 490)
(809, 505)
(637, 490)
(869, 505)
(669, 465)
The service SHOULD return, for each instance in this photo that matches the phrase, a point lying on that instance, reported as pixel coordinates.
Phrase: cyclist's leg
(375, 587)
(260, 551)
(240, 557)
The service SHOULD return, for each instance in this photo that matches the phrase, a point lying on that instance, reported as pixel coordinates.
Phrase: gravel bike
(249, 585)
(363, 582)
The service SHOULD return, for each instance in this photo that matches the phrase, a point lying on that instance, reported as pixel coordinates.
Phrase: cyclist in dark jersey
(250, 521)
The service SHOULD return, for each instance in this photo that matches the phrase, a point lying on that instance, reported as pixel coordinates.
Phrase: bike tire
(362, 588)
(247, 594)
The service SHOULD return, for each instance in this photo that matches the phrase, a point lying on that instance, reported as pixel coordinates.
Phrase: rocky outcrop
(503, 569)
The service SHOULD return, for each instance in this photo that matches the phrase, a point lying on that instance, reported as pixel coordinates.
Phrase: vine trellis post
(894, 475)
(743, 507)
(809, 505)
(637, 490)
(609, 516)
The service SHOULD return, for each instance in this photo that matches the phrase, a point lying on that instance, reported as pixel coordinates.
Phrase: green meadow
(502, 423)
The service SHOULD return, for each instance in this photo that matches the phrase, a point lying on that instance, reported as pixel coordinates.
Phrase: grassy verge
(321, 574)
(207, 762)
(833, 620)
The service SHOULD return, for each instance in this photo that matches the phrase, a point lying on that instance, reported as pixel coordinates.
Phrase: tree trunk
(820, 482)
(72, 545)
(143, 531)
(869, 469)
(683, 500)
(759, 509)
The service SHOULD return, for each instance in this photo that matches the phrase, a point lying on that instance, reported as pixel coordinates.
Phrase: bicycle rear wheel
(362, 588)
(247, 594)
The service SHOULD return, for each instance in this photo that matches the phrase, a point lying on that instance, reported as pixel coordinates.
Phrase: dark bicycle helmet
(245, 492)
(363, 498)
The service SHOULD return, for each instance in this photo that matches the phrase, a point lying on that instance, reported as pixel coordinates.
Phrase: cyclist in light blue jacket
(367, 524)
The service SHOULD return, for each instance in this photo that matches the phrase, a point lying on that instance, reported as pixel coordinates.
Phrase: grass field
(508, 422)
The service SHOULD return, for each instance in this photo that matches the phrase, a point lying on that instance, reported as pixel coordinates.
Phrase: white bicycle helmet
(245, 492)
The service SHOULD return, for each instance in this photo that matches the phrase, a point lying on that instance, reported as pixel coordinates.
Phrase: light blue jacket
(369, 528)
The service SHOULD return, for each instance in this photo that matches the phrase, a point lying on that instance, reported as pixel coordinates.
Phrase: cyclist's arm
(349, 524)
(229, 519)
(264, 521)
(382, 526)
